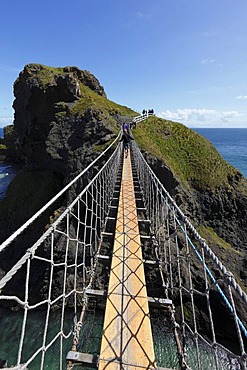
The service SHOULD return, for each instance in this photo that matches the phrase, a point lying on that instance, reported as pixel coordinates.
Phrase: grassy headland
(190, 156)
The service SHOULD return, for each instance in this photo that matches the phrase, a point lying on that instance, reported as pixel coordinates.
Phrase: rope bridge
(184, 278)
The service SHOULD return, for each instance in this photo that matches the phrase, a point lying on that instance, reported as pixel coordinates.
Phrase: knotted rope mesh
(194, 278)
(62, 262)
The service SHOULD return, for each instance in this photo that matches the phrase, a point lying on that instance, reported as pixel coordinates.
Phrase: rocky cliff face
(222, 210)
(48, 134)
(57, 128)
(61, 116)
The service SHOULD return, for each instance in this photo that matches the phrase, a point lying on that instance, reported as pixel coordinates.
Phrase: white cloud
(208, 61)
(5, 121)
(210, 33)
(241, 97)
(140, 15)
(201, 117)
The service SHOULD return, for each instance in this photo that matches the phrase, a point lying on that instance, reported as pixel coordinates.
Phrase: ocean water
(7, 173)
(231, 143)
(90, 341)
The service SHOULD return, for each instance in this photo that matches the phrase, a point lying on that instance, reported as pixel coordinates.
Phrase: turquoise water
(7, 173)
(11, 327)
(90, 341)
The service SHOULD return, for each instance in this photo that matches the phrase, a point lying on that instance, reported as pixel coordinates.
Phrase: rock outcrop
(62, 117)
(221, 211)
(46, 130)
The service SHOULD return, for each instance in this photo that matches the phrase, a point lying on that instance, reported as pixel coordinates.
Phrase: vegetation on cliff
(190, 156)
(63, 119)
(106, 108)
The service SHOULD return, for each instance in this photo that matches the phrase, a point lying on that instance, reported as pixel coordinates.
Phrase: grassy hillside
(105, 107)
(190, 156)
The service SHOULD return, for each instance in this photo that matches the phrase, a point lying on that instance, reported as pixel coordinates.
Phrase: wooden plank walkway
(127, 339)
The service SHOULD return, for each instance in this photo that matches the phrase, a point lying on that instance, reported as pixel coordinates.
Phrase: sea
(231, 143)
(7, 174)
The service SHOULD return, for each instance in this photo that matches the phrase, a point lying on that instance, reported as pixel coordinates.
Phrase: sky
(186, 59)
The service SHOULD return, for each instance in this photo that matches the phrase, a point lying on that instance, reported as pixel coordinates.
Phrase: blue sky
(186, 59)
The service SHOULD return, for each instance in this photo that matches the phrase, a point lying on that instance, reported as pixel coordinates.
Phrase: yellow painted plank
(127, 338)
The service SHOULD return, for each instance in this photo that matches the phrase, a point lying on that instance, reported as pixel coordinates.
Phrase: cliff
(211, 192)
(63, 119)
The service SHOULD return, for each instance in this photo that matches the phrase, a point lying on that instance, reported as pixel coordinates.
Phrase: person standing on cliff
(126, 141)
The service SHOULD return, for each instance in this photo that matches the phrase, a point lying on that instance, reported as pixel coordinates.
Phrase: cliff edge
(63, 119)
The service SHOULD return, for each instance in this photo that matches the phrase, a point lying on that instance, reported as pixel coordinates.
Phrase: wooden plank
(127, 338)
(153, 301)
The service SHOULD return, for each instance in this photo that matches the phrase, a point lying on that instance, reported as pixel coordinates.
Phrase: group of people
(149, 112)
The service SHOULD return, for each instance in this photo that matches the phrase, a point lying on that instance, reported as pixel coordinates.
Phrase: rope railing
(51, 279)
(189, 267)
(47, 287)
(52, 201)
(143, 116)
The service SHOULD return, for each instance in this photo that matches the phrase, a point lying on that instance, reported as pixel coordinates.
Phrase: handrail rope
(141, 168)
(207, 269)
(78, 324)
(192, 245)
(105, 174)
(209, 272)
(31, 251)
(211, 276)
(202, 241)
(37, 214)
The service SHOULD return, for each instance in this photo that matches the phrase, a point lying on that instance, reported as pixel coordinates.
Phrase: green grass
(103, 108)
(46, 74)
(190, 156)
(90, 99)
(8, 130)
(213, 238)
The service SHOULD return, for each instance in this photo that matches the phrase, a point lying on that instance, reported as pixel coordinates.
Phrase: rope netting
(204, 293)
(62, 263)
(52, 278)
